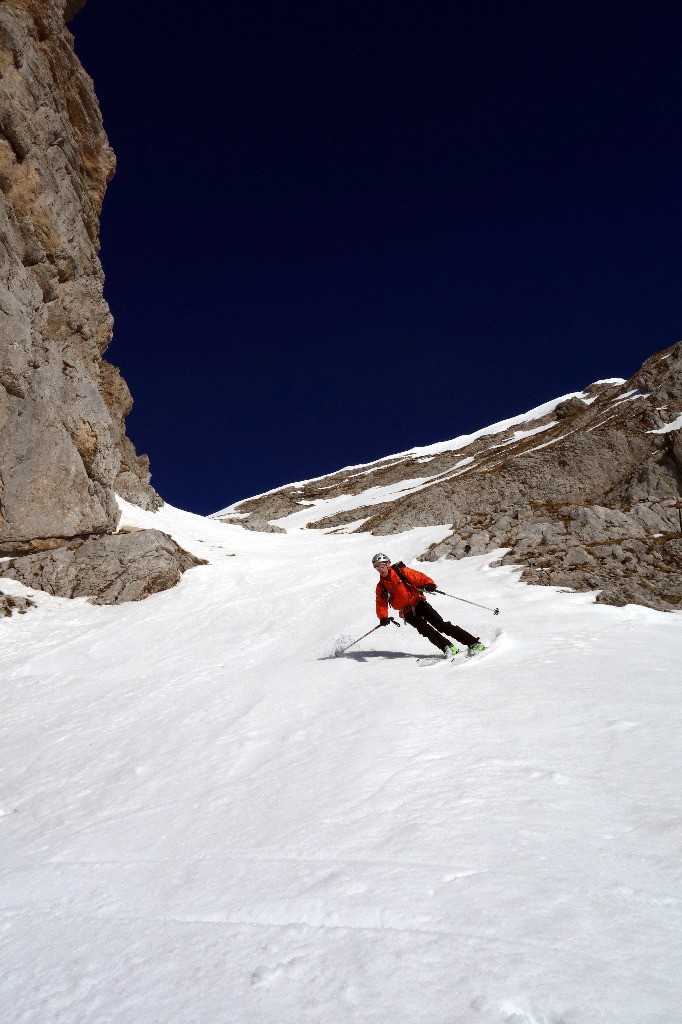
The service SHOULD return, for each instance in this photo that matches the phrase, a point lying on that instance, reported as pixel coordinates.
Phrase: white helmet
(381, 557)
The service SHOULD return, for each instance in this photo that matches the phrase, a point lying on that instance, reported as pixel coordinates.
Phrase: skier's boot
(450, 651)
(475, 648)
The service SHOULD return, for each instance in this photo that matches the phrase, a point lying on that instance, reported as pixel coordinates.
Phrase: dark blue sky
(341, 229)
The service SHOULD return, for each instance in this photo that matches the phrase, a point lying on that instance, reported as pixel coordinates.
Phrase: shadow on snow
(367, 655)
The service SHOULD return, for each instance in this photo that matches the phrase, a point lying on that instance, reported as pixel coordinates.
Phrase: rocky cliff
(585, 492)
(63, 448)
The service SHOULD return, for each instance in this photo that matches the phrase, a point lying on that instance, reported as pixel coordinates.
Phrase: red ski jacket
(394, 592)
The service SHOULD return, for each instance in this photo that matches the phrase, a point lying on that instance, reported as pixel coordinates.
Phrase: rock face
(586, 494)
(63, 448)
(108, 570)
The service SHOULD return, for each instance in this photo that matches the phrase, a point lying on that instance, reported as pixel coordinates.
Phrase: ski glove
(429, 588)
(385, 621)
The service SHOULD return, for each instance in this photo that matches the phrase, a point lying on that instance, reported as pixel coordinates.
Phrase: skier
(403, 588)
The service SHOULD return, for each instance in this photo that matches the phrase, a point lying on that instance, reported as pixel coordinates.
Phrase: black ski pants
(423, 617)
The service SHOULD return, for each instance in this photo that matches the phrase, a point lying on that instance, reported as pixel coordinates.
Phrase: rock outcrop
(63, 447)
(586, 494)
(108, 570)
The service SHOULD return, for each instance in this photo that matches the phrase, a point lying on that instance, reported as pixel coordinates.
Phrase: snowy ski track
(206, 818)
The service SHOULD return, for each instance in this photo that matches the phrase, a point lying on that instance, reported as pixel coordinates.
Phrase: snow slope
(206, 818)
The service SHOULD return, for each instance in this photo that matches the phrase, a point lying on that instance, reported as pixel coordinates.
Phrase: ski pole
(344, 649)
(495, 611)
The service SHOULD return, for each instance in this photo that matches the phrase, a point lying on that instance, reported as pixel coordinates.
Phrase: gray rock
(262, 526)
(44, 487)
(436, 551)
(63, 449)
(596, 524)
(109, 570)
(571, 407)
(478, 543)
(530, 534)
(576, 555)
(656, 517)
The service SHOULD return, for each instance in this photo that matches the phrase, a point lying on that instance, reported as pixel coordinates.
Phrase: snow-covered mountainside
(207, 818)
(583, 492)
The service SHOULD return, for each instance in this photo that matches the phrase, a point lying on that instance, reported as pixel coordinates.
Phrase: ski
(463, 658)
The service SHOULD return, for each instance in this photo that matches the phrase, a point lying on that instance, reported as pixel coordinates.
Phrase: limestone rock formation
(586, 494)
(108, 569)
(63, 448)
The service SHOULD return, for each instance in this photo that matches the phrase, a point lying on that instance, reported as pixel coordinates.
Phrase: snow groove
(207, 821)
